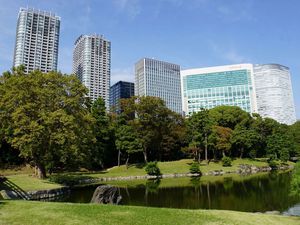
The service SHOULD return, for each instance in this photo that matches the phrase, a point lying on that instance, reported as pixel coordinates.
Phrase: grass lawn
(29, 183)
(26, 212)
(24, 179)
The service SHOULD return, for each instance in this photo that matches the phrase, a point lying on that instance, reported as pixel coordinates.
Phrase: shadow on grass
(140, 165)
(69, 179)
(6, 184)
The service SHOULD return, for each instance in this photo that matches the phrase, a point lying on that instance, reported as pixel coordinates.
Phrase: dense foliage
(195, 168)
(47, 120)
(152, 169)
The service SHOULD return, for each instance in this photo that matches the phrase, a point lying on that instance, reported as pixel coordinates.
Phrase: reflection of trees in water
(260, 193)
(152, 185)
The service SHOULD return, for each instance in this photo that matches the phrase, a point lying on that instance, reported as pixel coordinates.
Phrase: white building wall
(159, 79)
(274, 92)
(37, 40)
(91, 64)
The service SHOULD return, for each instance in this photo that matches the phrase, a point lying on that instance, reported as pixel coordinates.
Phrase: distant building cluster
(265, 89)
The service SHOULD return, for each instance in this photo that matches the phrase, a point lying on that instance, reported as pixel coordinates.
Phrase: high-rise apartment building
(37, 40)
(91, 64)
(120, 90)
(264, 89)
(159, 79)
(274, 92)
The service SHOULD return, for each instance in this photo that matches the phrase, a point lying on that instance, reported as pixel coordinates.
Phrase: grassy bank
(22, 212)
(24, 179)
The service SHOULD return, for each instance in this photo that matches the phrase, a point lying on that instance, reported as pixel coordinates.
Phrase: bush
(226, 161)
(273, 164)
(152, 169)
(194, 168)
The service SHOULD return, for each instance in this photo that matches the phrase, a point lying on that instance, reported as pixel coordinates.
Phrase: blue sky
(191, 33)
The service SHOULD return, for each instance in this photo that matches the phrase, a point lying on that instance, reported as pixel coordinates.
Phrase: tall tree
(199, 128)
(151, 120)
(102, 132)
(127, 142)
(45, 117)
(221, 137)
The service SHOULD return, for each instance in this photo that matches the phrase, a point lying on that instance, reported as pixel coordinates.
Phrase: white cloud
(123, 74)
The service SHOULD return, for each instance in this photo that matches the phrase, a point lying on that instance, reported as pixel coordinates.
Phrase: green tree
(294, 131)
(199, 128)
(127, 142)
(151, 120)
(228, 116)
(45, 117)
(103, 134)
(243, 140)
(221, 137)
(279, 145)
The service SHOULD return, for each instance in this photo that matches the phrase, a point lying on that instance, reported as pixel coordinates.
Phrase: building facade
(214, 86)
(264, 89)
(120, 90)
(37, 40)
(91, 64)
(274, 92)
(159, 79)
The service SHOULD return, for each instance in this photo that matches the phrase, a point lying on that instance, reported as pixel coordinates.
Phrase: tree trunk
(119, 156)
(145, 156)
(41, 171)
(206, 147)
(223, 153)
(199, 157)
(127, 162)
(242, 152)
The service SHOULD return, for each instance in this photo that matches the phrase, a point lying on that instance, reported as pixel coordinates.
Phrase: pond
(254, 193)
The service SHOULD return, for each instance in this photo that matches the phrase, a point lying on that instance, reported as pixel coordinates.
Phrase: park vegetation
(47, 121)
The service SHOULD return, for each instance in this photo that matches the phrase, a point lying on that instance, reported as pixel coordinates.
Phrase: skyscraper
(120, 90)
(37, 40)
(91, 64)
(264, 89)
(159, 79)
(274, 92)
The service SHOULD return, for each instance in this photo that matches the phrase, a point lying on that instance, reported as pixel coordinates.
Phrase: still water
(255, 193)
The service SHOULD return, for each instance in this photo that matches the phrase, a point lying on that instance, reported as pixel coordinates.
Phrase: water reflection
(250, 194)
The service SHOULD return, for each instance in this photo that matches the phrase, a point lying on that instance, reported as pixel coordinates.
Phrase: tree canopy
(46, 117)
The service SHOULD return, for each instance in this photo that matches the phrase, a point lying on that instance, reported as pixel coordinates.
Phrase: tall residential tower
(91, 64)
(159, 79)
(37, 40)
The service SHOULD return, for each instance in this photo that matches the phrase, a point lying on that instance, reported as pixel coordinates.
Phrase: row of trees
(46, 120)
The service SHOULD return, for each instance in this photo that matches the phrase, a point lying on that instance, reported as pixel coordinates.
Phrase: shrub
(226, 161)
(194, 168)
(152, 169)
(273, 164)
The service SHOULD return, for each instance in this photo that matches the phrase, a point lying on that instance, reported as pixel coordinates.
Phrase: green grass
(24, 179)
(30, 183)
(27, 213)
(180, 166)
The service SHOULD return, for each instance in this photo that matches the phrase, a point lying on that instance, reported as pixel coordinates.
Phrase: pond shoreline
(244, 169)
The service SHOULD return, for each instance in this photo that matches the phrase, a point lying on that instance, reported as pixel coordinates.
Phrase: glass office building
(214, 86)
(119, 90)
(91, 64)
(159, 79)
(37, 40)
